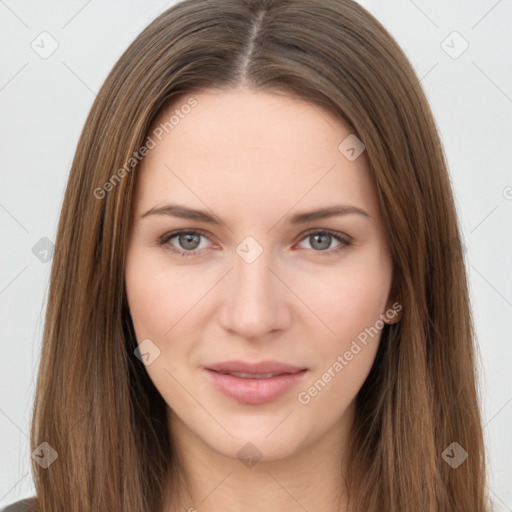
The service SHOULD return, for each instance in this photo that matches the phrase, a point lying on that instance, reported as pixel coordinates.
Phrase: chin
(263, 437)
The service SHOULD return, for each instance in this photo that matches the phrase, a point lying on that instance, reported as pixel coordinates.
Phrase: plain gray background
(45, 99)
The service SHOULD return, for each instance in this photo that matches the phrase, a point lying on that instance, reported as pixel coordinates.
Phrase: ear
(393, 313)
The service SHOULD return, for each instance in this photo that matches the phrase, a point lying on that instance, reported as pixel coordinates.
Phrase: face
(226, 263)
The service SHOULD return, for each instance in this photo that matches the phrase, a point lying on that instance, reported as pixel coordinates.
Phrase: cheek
(351, 298)
(158, 311)
(146, 301)
(147, 306)
(351, 304)
(157, 298)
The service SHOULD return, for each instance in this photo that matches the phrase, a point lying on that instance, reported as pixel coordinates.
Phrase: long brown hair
(95, 404)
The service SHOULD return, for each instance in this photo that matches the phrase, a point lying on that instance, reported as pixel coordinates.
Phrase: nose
(257, 299)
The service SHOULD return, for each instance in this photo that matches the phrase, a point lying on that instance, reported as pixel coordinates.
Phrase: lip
(261, 367)
(254, 391)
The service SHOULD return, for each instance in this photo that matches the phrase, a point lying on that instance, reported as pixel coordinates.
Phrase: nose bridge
(254, 301)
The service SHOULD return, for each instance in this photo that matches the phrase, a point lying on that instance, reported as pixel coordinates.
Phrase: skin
(253, 159)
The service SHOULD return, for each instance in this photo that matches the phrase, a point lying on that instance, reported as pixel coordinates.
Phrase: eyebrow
(182, 212)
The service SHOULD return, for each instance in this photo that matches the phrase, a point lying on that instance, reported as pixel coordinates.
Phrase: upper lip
(259, 368)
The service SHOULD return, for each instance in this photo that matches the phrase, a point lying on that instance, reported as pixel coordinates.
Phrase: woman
(258, 299)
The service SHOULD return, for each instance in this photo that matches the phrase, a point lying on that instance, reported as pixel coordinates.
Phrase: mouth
(253, 375)
(262, 368)
(254, 383)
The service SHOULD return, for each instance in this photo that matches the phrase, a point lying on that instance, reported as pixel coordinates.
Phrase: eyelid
(336, 234)
(166, 237)
(344, 239)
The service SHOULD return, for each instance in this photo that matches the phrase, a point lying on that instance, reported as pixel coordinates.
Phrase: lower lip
(254, 391)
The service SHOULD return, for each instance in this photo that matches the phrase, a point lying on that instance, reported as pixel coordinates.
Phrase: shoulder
(24, 505)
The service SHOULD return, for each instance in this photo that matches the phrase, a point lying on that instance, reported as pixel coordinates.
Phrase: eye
(321, 240)
(189, 242)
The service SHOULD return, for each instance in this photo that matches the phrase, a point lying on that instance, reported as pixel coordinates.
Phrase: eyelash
(344, 240)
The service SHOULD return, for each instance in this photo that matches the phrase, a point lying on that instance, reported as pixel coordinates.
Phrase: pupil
(326, 240)
(188, 238)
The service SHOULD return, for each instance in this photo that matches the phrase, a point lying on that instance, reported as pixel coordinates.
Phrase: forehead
(245, 120)
(254, 148)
